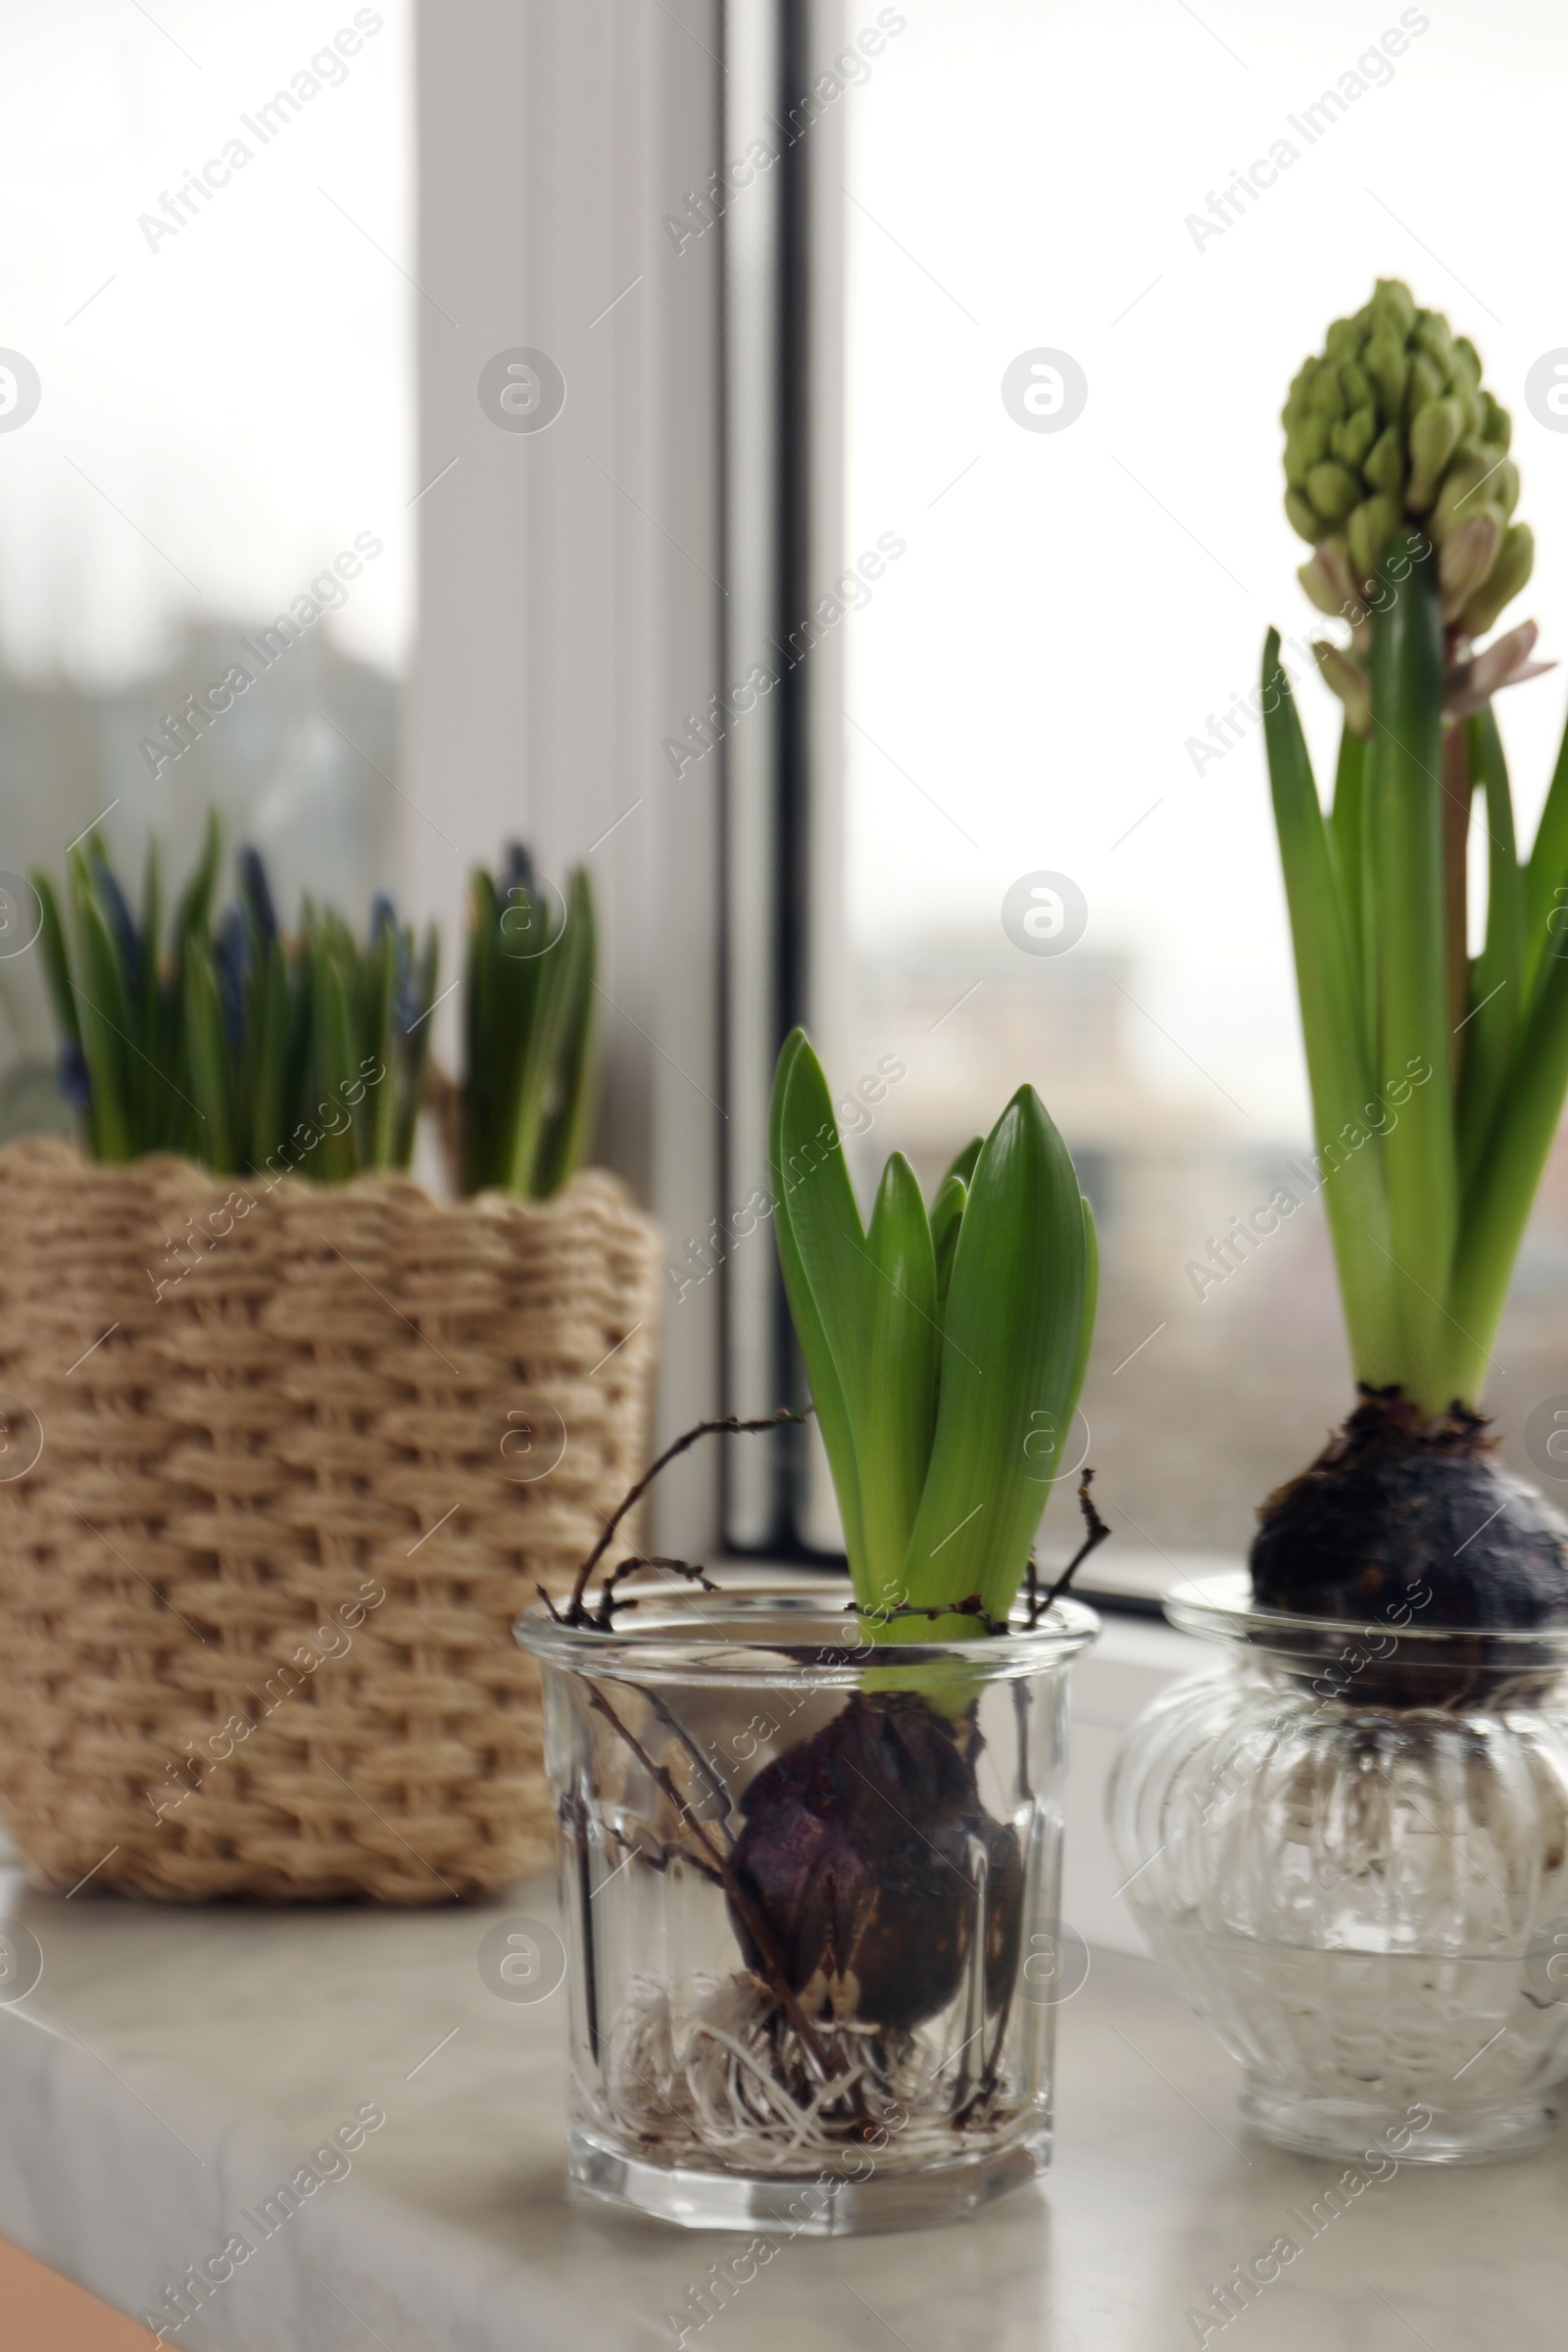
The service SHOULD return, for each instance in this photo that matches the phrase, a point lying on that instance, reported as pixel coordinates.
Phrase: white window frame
(569, 591)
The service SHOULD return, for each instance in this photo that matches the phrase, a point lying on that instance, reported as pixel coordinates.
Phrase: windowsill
(175, 2065)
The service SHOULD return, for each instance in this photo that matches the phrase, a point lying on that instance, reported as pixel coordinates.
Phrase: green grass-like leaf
(821, 1248)
(1546, 882)
(1491, 1031)
(898, 1381)
(1335, 1025)
(1012, 1348)
(1420, 1161)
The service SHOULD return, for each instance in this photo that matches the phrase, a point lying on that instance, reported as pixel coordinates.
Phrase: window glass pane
(1046, 677)
(206, 554)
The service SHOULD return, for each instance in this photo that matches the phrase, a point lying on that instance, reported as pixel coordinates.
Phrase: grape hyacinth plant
(525, 1118)
(1437, 1078)
(229, 1042)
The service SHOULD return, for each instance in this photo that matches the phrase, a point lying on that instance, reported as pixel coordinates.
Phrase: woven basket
(256, 1589)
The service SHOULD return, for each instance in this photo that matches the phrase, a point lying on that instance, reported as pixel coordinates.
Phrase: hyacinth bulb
(861, 1851)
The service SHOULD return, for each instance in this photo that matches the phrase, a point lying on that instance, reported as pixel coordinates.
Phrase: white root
(733, 2085)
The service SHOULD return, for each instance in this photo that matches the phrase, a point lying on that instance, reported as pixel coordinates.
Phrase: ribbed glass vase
(1349, 1847)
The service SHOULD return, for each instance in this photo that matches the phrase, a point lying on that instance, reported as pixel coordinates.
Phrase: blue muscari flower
(405, 1008)
(231, 960)
(383, 916)
(71, 1075)
(517, 872)
(258, 896)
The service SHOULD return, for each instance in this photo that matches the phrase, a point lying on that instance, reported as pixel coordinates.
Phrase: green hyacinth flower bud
(1304, 516)
(1371, 527)
(1356, 385)
(1426, 382)
(1350, 682)
(1434, 335)
(1497, 426)
(1333, 490)
(1468, 555)
(1391, 426)
(1433, 438)
(1350, 439)
(1384, 464)
(1323, 583)
(1304, 444)
(1323, 395)
(1515, 562)
(1466, 485)
(1386, 362)
(1392, 304)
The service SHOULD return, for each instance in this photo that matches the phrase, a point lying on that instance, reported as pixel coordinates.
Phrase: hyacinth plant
(527, 1106)
(229, 1042)
(1437, 1078)
(945, 1350)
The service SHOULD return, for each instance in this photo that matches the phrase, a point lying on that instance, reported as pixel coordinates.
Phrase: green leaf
(1347, 842)
(568, 1125)
(151, 919)
(1546, 878)
(1086, 1330)
(1333, 1028)
(61, 992)
(479, 1153)
(335, 1066)
(553, 981)
(516, 991)
(964, 1168)
(269, 1124)
(1011, 1352)
(194, 915)
(821, 1248)
(947, 1215)
(104, 1021)
(898, 1382)
(209, 1058)
(1499, 1207)
(57, 961)
(415, 1047)
(1420, 1162)
(1490, 1032)
(377, 1121)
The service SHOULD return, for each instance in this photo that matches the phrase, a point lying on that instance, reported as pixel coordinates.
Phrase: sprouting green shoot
(945, 1350)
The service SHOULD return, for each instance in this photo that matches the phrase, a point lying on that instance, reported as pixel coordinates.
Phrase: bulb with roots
(863, 1850)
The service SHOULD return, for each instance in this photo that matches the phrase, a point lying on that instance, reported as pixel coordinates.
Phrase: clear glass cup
(709, 2086)
(1348, 1843)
